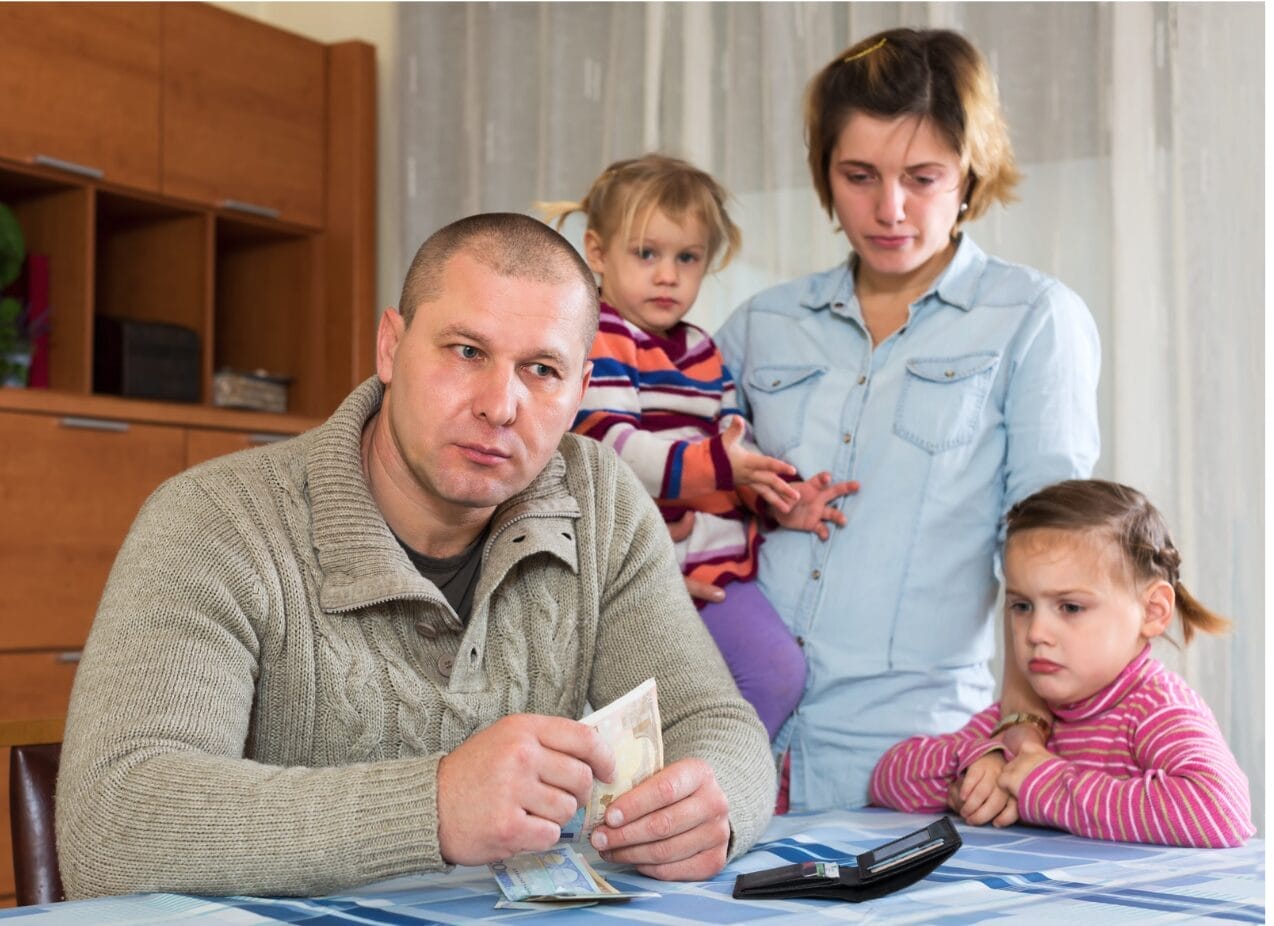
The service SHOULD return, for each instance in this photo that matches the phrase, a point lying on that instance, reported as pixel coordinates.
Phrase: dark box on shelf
(145, 360)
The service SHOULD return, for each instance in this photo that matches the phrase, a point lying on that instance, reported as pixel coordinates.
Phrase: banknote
(560, 876)
(630, 725)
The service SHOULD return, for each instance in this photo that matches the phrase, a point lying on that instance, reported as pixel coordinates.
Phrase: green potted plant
(15, 343)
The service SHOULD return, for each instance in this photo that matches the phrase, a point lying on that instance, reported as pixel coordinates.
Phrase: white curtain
(1140, 130)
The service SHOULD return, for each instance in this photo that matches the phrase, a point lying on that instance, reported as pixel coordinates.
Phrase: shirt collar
(1132, 677)
(957, 285)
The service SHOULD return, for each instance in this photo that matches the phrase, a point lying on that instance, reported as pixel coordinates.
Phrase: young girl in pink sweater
(1131, 753)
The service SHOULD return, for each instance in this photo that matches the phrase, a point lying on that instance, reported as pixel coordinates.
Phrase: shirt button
(444, 666)
(800, 641)
(816, 575)
(777, 382)
(950, 374)
(426, 630)
(847, 438)
(862, 380)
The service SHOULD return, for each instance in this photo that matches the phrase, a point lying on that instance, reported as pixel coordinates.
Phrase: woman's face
(896, 188)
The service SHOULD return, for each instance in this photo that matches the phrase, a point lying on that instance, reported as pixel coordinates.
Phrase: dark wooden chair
(36, 748)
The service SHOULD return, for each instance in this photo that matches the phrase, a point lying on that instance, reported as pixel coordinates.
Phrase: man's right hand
(510, 788)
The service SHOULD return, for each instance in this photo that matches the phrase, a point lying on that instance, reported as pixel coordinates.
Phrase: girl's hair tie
(864, 52)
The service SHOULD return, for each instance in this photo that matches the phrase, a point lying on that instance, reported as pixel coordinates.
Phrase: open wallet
(878, 872)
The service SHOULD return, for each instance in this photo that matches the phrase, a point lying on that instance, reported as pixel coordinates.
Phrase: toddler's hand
(1030, 758)
(980, 797)
(813, 506)
(758, 472)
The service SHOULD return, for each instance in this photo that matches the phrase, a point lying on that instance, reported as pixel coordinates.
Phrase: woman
(949, 383)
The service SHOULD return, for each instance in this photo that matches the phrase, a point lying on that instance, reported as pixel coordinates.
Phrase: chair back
(33, 772)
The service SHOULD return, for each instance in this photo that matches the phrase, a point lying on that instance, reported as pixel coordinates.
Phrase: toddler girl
(1133, 754)
(661, 397)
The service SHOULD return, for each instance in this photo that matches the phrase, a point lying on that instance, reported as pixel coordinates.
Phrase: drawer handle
(261, 439)
(72, 655)
(239, 205)
(94, 424)
(69, 166)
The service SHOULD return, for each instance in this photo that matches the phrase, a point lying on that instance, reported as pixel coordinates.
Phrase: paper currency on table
(559, 876)
(630, 725)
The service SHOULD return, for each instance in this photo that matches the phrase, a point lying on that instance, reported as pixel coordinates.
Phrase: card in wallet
(878, 872)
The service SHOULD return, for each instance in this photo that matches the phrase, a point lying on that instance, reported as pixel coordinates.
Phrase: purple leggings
(766, 662)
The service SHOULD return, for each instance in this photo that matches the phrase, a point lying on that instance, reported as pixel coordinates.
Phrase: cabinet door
(33, 686)
(80, 82)
(204, 444)
(69, 490)
(244, 113)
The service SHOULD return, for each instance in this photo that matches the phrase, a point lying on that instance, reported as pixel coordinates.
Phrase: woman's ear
(595, 252)
(1158, 603)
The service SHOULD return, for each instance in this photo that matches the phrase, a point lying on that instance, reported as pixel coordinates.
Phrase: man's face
(482, 384)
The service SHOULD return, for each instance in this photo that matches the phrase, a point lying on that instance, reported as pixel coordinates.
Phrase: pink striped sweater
(1142, 760)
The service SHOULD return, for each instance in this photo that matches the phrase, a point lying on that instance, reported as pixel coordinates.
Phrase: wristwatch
(1012, 720)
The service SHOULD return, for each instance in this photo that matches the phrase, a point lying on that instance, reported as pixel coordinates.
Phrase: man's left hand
(674, 826)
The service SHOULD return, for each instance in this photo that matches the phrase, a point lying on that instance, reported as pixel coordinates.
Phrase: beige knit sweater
(269, 682)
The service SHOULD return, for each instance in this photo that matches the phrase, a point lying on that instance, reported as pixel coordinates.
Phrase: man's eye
(468, 351)
(542, 371)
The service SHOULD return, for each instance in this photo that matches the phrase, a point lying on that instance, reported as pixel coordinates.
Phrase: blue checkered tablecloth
(1019, 874)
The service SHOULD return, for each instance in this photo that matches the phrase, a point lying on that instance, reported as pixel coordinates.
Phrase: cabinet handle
(94, 424)
(70, 166)
(239, 205)
(72, 655)
(267, 438)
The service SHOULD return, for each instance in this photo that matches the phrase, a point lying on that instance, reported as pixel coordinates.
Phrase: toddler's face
(653, 278)
(1077, 617)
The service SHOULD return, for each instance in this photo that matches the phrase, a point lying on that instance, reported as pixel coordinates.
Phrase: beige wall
(377, 24)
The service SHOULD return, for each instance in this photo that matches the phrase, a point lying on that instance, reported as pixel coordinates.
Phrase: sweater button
(444, 666)
(426, 630)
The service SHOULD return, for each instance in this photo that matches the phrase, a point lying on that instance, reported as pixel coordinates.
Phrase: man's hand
(1028, 760)
(674, 826)
(509, 788)
(813, 506)
(756, 471)
(978, 798)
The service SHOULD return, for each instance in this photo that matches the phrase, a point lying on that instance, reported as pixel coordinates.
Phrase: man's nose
(497, 396)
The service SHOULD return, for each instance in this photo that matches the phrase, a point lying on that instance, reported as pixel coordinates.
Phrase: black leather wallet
(881, 871)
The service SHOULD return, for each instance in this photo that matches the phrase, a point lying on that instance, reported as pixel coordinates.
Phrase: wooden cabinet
(80, 84)
(244, 110)
(187, 113)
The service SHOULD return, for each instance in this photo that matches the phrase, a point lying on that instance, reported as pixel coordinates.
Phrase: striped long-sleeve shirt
(659, 403)
(1142, 760)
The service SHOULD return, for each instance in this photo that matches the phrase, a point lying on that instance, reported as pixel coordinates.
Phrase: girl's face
(653, 278)
(896, 188)
(1076, 615)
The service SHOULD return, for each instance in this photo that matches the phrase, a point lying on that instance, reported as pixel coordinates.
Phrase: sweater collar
(360, 560)
(1133, 676)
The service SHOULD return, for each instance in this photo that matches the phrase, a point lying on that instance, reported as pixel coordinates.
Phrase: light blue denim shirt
(987, 393)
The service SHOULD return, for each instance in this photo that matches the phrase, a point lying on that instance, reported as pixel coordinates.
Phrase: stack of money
(559, 877)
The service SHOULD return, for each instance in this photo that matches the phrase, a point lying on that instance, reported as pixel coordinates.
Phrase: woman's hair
(628, 189)
(931, 73)
(1126, 516)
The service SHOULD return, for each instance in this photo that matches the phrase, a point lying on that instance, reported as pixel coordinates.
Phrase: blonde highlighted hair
(1126, 516)
(627, 190)
(935, 74)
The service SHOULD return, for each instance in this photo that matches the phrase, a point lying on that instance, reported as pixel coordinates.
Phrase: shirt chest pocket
(779, 395)
(942, 399)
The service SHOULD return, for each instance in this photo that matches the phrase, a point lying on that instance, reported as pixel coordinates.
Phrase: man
(359, 653)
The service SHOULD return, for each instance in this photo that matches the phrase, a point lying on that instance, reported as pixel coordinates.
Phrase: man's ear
(585, 379)
(389, 332)
(595, 252)
(1158, 603)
